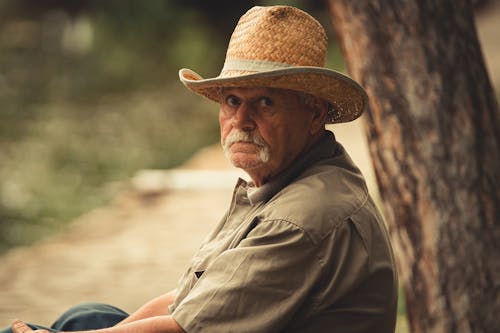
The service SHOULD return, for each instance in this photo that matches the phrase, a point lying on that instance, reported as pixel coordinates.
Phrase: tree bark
(433, 128)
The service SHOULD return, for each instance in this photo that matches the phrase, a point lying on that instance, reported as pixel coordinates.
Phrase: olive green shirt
(306, 252)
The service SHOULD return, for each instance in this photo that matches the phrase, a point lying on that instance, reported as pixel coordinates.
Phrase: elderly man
(302, 247)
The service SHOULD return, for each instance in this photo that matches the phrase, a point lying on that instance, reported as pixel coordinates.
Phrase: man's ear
(320, 113)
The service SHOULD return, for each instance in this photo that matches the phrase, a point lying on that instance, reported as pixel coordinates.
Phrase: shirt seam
(297, 226)
(357, 209)
(362, 235)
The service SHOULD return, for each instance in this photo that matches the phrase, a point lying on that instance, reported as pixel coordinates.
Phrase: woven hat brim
(348, 98)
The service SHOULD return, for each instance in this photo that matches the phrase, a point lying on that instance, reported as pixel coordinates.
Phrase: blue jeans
(86, 316)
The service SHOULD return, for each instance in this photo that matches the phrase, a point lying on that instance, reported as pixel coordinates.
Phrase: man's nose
(243, 119)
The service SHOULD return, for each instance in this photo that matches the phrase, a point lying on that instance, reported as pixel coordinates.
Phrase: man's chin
(245, 162)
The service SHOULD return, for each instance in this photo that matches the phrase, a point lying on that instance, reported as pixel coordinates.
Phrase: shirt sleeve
(254, 287)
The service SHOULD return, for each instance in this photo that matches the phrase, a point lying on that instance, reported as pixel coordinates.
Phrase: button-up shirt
(306, 252)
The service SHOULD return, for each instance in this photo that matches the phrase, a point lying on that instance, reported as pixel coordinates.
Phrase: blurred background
(89, 97)
(89, 94)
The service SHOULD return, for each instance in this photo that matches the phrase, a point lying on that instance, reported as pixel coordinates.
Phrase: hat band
(252, 65)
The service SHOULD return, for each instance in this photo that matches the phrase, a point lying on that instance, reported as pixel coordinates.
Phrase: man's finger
(20, 327)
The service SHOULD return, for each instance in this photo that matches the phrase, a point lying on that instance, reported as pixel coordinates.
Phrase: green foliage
(69, 159)
(89, 98)
(89, 94)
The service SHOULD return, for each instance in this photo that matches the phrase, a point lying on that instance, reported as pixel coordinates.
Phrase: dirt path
(123, 254)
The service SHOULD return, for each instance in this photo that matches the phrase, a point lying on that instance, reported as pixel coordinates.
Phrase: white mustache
(241, 136)
(251, 137)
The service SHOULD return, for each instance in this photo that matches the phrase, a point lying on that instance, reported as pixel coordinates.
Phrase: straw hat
(282, 47)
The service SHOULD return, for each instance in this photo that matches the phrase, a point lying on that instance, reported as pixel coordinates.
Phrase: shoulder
(321, 199)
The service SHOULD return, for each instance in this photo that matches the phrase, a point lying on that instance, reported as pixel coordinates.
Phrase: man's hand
(20, 327)
(158, 324)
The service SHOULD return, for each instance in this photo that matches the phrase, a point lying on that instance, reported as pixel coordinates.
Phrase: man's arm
(158, 324)
(156, 307)
(152, 317)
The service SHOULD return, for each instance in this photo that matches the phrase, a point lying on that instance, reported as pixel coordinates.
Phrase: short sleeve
(254, 287)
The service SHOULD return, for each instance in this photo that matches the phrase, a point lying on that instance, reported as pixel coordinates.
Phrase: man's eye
(232, 100)
(265, 102)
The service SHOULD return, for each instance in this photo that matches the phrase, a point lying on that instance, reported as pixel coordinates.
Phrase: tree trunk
(433, 129)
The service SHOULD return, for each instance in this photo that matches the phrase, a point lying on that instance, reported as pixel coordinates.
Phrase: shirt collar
(324, 148)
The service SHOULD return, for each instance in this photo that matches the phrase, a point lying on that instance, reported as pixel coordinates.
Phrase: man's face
(263, 130)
